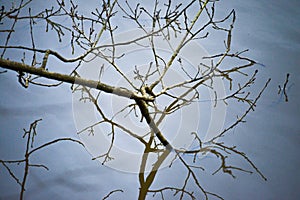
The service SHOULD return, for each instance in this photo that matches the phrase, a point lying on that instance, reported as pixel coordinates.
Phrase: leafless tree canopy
(82, 39)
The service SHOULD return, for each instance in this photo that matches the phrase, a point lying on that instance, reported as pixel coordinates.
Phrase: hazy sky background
(270, 29)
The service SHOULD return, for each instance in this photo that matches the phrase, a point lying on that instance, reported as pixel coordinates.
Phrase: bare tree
(94, 42)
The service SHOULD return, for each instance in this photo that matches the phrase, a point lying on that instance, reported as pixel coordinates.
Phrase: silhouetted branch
(283, 90)
(110, 193)
(30, 134)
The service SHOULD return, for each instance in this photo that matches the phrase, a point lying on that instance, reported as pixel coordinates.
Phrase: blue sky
(271, 30)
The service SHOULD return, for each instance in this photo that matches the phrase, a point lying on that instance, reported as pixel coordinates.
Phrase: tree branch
(20, 67)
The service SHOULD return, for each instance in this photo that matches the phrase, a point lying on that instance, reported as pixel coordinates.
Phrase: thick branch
(145, 112)
(20, 67)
